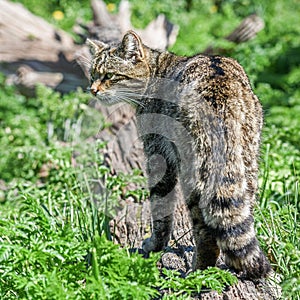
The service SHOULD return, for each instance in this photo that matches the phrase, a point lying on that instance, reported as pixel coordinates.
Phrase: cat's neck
(163, 64)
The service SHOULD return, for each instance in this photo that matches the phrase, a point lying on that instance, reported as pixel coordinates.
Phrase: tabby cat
(200, 124)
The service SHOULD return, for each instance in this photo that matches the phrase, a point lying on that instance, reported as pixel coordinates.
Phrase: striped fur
(200, 124)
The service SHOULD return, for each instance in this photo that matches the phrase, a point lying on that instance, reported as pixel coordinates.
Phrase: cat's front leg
(162, 198)
(162, 181)
(161, 231)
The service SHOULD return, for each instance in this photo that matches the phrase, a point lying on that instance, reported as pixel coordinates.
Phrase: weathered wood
(245, 31)
(33, 51)
(25, 36)
(159, 33)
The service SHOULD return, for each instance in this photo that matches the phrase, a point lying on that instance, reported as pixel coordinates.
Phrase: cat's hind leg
(206, 249)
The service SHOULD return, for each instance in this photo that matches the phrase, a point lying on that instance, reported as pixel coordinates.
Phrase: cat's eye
(94, 76)
(108, 76)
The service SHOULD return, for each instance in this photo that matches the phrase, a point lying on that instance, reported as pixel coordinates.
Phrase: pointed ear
(133, 47)
(95, 46)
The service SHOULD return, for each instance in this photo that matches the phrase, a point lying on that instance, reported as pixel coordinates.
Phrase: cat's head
(119, 73)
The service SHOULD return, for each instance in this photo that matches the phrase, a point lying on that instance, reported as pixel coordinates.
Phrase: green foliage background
(54, 241)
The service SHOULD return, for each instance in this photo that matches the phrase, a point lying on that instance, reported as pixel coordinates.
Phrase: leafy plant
(46, 254)
(210, 279)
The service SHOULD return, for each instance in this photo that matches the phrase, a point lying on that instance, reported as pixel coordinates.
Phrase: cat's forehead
(110, 59)
(103, 57)
(107, 54)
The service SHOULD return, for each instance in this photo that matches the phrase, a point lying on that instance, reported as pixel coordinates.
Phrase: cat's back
(221, 85)
(205, 68)
(220, 110)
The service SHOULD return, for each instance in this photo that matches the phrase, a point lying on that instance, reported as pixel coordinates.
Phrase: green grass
(54, 241)
(59, 250)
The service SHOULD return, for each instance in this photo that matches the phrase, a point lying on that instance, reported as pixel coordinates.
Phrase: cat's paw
(205, 257)
(152, 244)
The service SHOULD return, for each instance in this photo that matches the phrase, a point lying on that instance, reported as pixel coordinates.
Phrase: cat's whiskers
(85, 61)
(129, 97)
(83, 58)
(115, 96)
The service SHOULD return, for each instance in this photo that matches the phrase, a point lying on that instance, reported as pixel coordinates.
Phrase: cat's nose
(96, 87)
(94, 90)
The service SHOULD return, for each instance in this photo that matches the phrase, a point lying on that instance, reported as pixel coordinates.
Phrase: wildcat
(200, 124)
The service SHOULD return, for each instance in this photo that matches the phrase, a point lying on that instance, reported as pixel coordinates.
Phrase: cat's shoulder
(213, 67)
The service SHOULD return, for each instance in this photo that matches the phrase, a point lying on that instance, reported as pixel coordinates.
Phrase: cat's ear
(95, 46)
(133, 47)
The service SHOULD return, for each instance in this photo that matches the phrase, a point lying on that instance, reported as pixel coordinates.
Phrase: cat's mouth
(99, 87)
(102, 93)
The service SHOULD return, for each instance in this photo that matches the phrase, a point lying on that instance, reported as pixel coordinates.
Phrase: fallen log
(33, 51)
(245, 31)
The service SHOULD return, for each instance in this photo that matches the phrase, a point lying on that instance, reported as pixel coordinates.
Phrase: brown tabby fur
(200, 124)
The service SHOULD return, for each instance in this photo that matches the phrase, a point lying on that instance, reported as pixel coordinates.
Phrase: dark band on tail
(233, 231)
(244, 251)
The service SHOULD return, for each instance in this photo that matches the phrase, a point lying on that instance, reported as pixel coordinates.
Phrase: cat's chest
(158, 113)
(160, 124)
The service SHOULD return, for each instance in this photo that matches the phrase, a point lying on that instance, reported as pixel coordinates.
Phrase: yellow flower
(111, 7)
(214, 9)
(58, 15)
